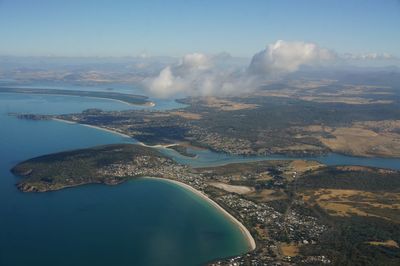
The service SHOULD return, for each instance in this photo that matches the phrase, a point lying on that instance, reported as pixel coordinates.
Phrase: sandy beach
(146, 104)
(250, 240)
(158, 145)
(166, 146)
(96, 127)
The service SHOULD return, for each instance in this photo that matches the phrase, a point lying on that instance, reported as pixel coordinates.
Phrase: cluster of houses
(268, 226)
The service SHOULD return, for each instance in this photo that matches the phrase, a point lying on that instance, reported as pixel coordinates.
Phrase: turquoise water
(161, 104)
(206, 158)
(141, 222)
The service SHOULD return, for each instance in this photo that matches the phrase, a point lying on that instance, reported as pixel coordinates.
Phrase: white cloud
(195, 75)
(166, 84)
(284, 57)
(202, 75)
(196, 61)
(370, 56)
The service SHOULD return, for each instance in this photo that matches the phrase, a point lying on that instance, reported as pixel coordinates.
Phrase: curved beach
(145, 104)
(96, 127)
(249, 238)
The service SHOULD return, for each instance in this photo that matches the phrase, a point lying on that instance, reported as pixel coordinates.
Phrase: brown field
(387, 243)
(347, 100)
(346, 202)
(362, 139)
(187, 115)
(349, 94)
(226, 105)
(301, 166)
(281, 93)
(264, 177)
(297, 147)
(232, 188)
(266, 195)
(311, 84)
(291, 250)
(380, 126)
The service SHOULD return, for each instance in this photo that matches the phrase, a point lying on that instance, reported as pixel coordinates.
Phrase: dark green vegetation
(264, 124)
(272, 127)
(282, 112)
(367, 210)
(345, 213)
(357, 209)
(342, 209)
(77, 167)
(128, 98)
(347, 242)
(150, 127)
(353, 178)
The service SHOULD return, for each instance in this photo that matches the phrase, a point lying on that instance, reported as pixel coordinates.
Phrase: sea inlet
(141, 222)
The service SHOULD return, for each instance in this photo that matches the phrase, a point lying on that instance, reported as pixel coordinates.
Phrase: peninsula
(265, 123)
(122, 97)
(291, 212)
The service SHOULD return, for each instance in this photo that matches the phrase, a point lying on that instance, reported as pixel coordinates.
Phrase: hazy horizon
(195, 48)
(155, 28)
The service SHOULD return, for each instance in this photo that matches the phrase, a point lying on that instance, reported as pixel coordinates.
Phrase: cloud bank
(199, 74)
(196, 75)
(285, 57)
(370, 56)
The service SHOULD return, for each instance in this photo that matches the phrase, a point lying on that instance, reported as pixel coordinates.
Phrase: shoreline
(249, 238)
(278, 157)
(166, 146)
(145, 104)
(91, 126)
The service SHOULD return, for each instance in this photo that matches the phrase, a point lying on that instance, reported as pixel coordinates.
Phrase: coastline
(145, 104)
(250, 240)
(91, 126)
(278, 157)
(166, 146)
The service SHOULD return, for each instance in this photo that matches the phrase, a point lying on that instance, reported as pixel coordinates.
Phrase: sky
(175, 28)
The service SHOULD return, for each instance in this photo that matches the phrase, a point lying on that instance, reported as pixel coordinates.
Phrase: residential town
(270, 228)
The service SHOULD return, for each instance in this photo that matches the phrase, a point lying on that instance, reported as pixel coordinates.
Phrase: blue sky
(174, 28)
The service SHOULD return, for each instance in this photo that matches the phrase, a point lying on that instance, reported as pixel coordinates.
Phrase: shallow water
(141, 222)
(207, 158)
(160, 104)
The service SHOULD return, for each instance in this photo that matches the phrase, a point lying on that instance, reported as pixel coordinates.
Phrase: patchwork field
(347, 202)
(369, 138)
